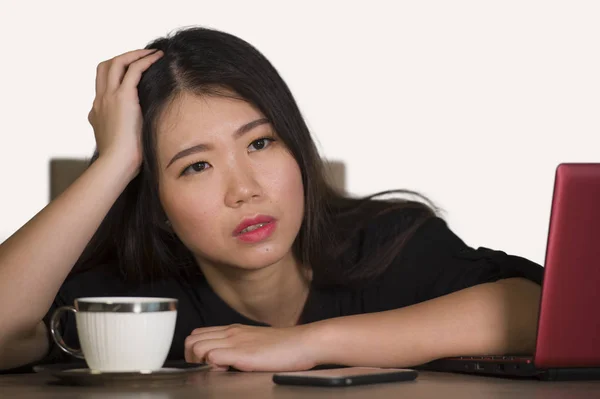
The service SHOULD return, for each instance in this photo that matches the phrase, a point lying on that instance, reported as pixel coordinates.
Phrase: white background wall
(473, 103)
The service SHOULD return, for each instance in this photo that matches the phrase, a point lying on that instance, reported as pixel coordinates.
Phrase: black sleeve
(435, 262)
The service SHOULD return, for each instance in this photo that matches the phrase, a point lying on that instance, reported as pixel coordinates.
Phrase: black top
(433, 262)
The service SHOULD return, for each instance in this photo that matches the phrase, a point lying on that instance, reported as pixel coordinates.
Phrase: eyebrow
(205, 147)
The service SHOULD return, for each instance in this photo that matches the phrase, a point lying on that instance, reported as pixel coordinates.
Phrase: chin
(245, 258)
(259, 258)
(258, 262)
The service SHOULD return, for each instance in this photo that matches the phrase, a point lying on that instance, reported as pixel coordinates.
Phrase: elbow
(520, 302)
(497, 318)
(23, 349)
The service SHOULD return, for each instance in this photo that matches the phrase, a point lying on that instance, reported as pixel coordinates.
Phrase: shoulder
(408, 245)
(405, 256)
(437, 261)
(369, 238)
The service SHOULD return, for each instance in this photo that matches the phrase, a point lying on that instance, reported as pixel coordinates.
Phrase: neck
(274, 294)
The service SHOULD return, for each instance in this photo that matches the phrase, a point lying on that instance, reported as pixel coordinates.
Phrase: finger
(222, 357)
(191, 340)
(103, 67)
(118, 66)
(101, 72)
(208, 329)
(135, 69)
(197, 352)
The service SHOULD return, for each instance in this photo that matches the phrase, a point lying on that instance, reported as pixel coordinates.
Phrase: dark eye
(260, 144)
(196, 168)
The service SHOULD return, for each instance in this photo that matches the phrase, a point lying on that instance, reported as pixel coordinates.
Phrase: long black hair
(134, 239)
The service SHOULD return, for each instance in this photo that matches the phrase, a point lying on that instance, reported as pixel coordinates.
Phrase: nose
(242, 186)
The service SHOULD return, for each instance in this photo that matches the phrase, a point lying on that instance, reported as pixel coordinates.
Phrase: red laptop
(568, 335)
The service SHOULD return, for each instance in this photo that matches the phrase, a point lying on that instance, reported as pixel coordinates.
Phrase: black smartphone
(346, 376)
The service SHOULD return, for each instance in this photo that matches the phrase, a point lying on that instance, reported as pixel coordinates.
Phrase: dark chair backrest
(64, 171)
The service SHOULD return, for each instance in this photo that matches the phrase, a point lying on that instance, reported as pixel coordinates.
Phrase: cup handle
(54, 331)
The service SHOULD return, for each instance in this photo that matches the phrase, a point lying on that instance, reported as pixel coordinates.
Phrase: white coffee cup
(120, 334)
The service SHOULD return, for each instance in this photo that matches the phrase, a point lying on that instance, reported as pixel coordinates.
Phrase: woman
(206, 186)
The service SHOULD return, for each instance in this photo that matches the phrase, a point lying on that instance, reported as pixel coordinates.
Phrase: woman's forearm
(36, 259)
(493, 318)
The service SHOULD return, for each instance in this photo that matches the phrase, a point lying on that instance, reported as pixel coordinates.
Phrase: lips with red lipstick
(255, 229)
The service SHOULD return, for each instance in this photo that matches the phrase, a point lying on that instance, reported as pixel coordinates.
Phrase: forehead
(192, 118)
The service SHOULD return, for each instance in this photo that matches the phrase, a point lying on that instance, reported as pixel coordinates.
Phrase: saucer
(78, 374)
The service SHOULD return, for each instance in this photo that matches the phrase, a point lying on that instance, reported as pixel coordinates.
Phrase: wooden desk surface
(259, 385)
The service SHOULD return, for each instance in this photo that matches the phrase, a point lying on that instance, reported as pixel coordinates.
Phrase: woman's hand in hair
(116, 115)
(249, 348)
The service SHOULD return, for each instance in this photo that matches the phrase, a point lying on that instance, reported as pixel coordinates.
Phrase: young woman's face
(231, 190)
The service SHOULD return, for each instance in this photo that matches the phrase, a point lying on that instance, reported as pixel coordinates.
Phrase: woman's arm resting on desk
(491, 318)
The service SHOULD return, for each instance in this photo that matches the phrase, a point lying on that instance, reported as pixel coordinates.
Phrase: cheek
(295, 188)
(190, 210)
(286, 182)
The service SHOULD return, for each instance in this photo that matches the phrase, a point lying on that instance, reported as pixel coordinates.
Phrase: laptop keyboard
(516, 359)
